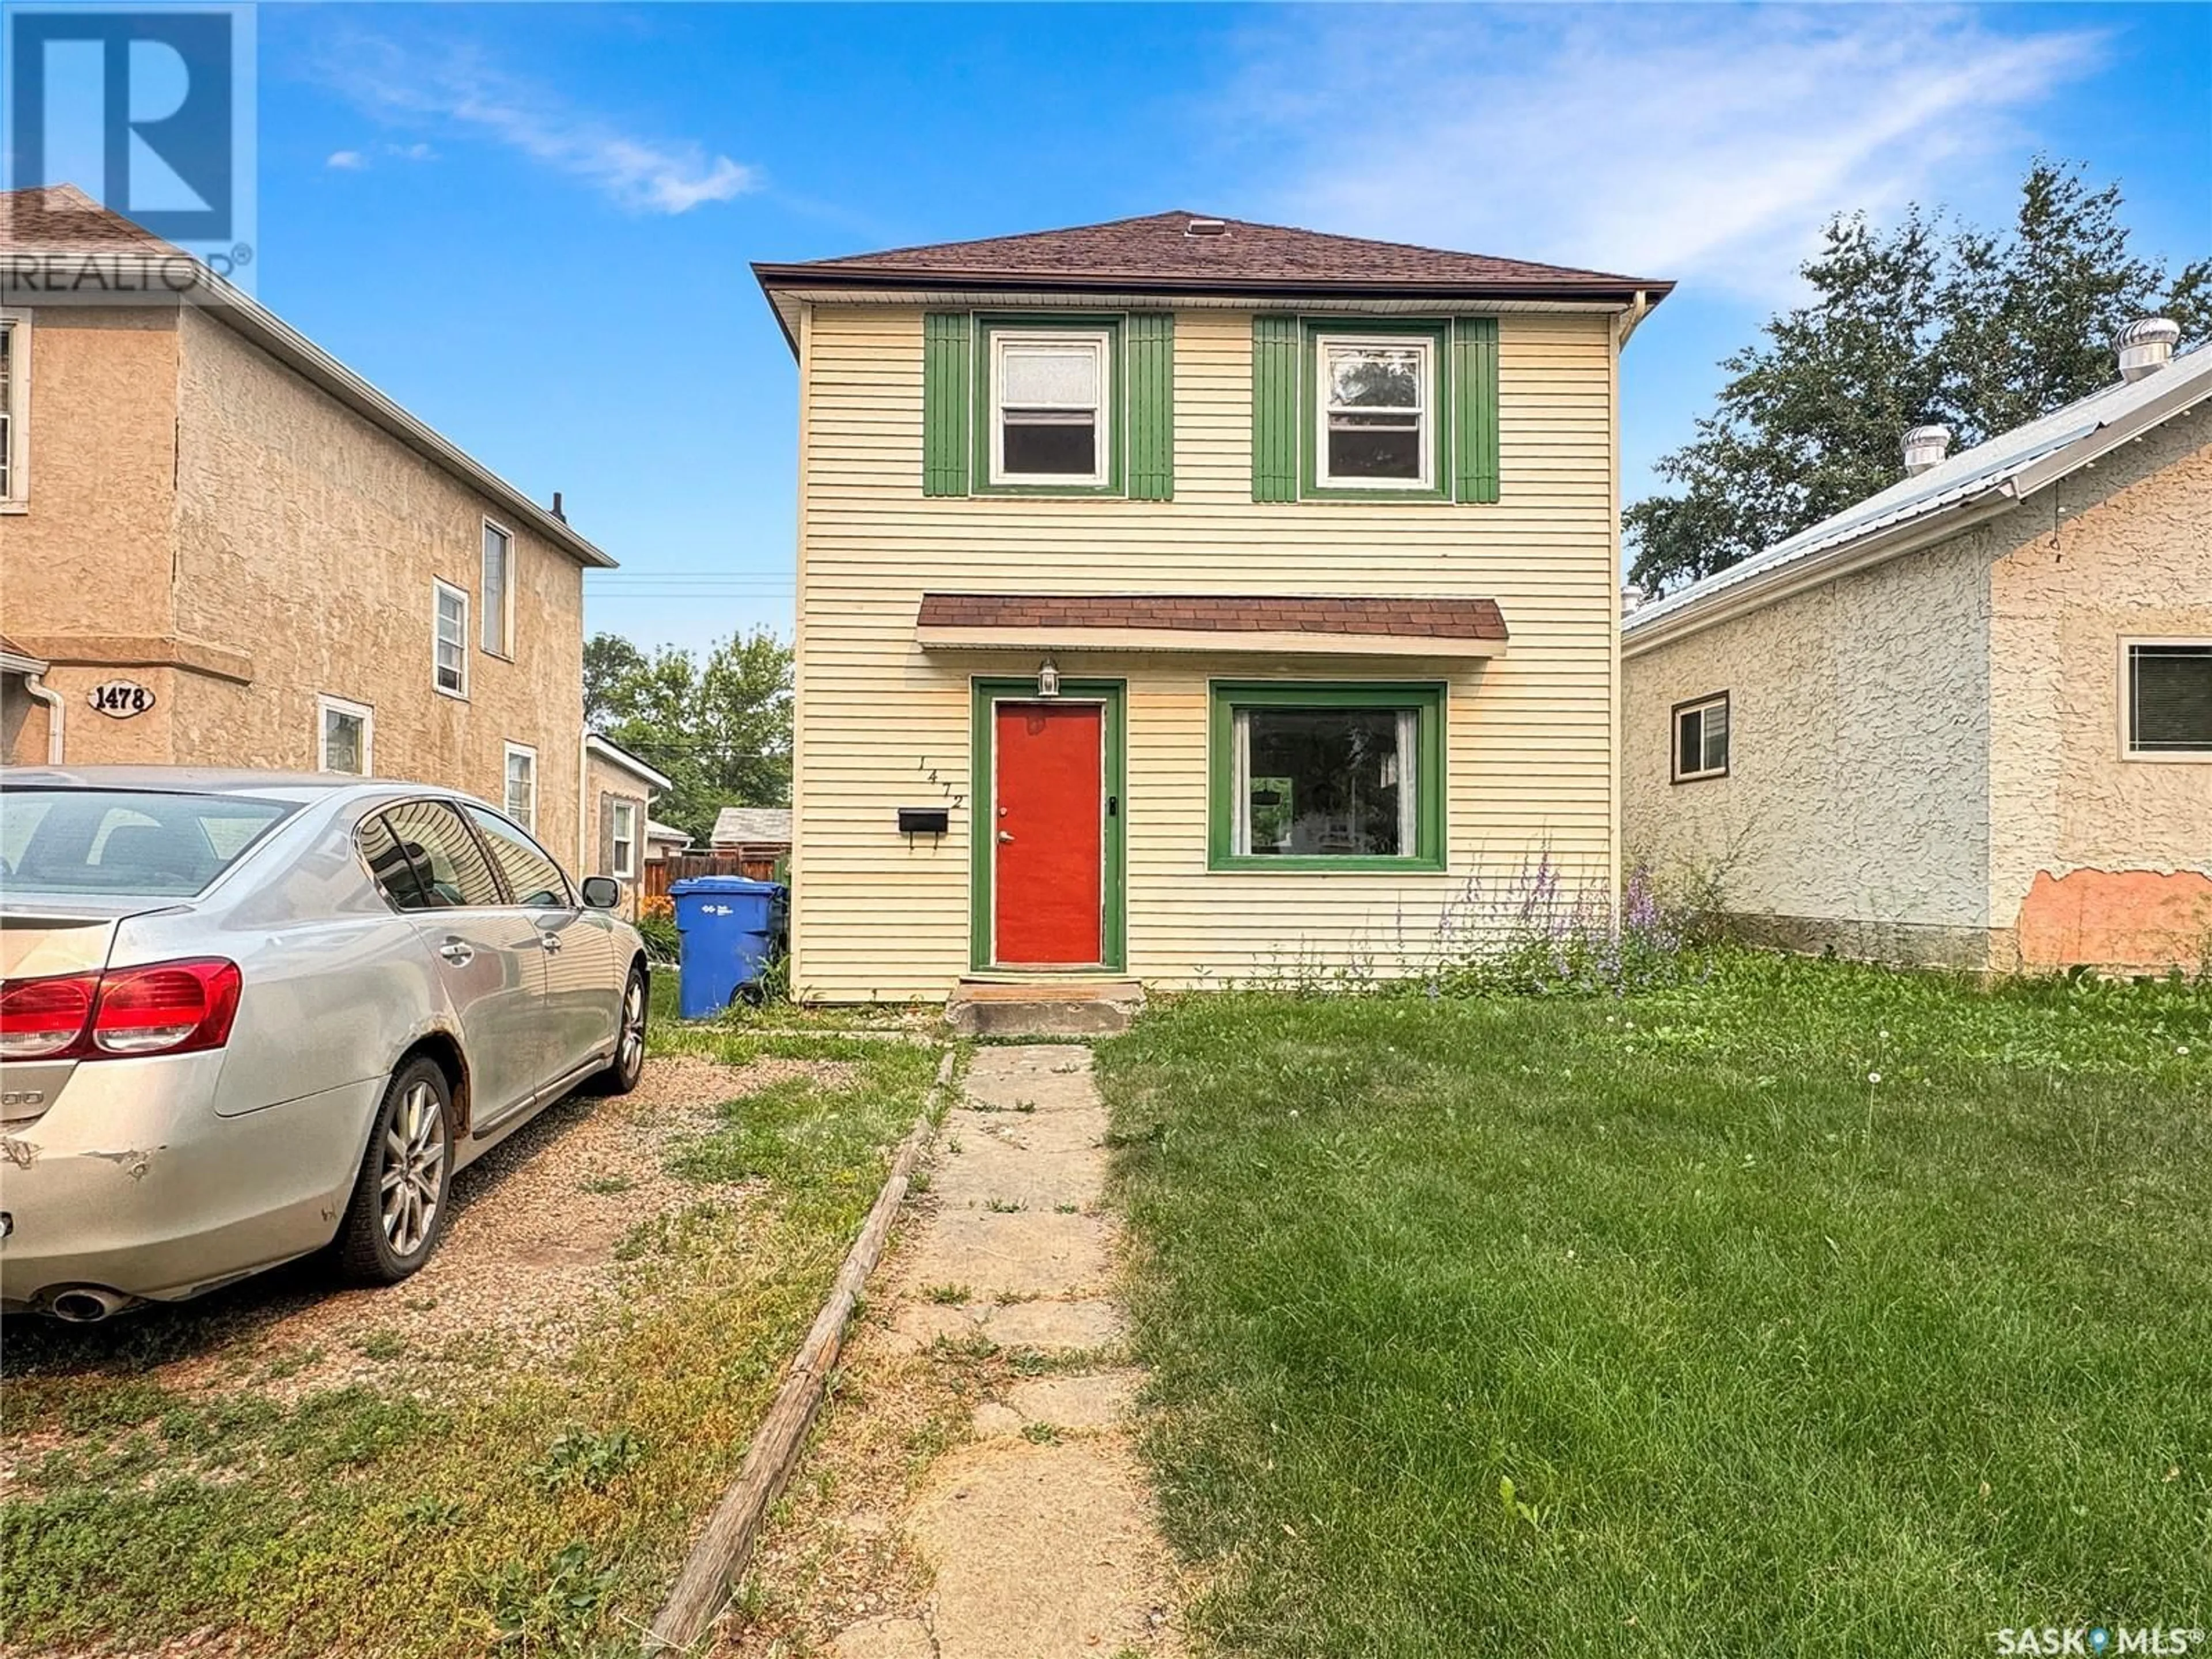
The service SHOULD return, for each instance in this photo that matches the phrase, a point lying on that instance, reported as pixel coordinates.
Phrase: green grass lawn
(540, 1509)
(1661, 1326)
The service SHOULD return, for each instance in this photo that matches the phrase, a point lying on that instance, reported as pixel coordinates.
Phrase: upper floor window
(1050, 406)
(15, 400)
(1079, 404)
(1701, 738)
(498, 589)
(522, 785)
(1377, 415)
(449, 640)
(344, 735)
(2167, 698)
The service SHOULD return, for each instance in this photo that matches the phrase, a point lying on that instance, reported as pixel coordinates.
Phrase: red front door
(1049, 857)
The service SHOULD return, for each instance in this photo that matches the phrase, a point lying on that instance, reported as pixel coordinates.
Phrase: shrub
(1561, 937)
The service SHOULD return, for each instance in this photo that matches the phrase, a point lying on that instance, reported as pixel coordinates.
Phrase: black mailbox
(924, 820)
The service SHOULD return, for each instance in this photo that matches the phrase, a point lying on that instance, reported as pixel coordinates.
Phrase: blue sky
(532, 224)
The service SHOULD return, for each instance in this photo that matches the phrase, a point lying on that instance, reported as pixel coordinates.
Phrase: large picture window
(2167, 699)
(1328, 776)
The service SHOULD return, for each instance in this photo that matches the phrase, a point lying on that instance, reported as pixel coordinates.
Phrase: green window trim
(1313, 329)
(1113, 922)
(1286, 408)
(1474, 399)
(945, 362)
(1427, 699)
(1275, 382)
(1112, 414)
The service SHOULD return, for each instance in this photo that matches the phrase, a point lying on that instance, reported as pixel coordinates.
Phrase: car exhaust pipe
(86, 1305)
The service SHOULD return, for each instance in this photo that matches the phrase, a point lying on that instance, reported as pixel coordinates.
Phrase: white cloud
(347, 160)
(418, 152)
(458, 93)
(1663, 140)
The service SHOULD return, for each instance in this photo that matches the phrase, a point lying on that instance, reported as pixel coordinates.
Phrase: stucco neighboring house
(228, 549)
(1156, 583)
(618, 791)
(1967, 721)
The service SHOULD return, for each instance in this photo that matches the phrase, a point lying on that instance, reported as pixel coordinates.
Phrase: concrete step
(1043, 1008)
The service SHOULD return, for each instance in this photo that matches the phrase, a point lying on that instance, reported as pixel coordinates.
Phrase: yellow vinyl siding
(1529, 733)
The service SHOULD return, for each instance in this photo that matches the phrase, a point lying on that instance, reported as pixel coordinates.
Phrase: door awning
(1366, 625)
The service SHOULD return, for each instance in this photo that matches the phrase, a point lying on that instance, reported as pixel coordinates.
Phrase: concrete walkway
(1037, 1532)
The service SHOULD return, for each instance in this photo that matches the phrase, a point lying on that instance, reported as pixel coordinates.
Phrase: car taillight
(41, 1018)
(171, 1008)
(164, 1008)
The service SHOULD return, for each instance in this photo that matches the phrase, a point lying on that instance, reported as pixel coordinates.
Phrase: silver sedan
(246, 1016)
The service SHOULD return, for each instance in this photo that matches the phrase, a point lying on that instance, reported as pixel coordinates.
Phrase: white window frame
(504, 613)
(1424, 430)
(624, 869)
(1101, 342)
(325, 706)
(1408, 781)
(527, 820)
(17, 497)
(439, 590)
(1699, 706)
(2127, 702)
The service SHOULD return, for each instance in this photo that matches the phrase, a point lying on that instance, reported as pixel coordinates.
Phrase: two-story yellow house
(1183, 600)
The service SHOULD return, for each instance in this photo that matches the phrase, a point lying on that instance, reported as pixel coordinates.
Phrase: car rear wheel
(399, 1199)
(629, 1066)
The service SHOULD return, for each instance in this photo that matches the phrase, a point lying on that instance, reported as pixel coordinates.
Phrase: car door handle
(458, 951)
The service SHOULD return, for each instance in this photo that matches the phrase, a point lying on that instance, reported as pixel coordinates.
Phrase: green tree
(720, 729)
(1979, 331)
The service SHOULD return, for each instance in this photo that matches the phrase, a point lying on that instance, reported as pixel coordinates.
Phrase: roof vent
(2147, 346)
(1207, 227)
(1925, 447)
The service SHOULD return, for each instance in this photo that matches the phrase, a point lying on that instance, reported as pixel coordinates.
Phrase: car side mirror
(602, 893)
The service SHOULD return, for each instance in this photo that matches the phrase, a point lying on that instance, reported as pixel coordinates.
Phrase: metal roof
(2008, 467)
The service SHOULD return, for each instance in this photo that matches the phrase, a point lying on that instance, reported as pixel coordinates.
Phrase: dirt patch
(531, 1251)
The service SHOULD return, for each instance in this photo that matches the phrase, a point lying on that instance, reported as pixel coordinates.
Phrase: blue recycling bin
(730, 928)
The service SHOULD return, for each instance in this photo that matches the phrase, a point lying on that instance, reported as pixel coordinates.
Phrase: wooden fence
(759, 864)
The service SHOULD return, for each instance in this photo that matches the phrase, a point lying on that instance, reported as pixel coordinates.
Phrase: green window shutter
(946, 365)
(1474, 415)
(1149, 368)
(1275, 409)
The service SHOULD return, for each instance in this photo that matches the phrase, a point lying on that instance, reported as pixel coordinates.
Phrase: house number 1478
(122, 698)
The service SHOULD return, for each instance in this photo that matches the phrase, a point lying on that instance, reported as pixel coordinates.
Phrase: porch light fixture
(1048, 678)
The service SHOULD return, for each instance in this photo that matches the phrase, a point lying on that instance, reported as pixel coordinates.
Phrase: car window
(531, 876)
(450, 867)
(127, 841)
(395, 874)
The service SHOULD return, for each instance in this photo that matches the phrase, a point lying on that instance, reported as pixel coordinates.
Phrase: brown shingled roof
(1159, 251)
(62, 216)
(1220, 613)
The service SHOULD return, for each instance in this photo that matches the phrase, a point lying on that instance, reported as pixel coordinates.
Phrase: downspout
(583, 790)
(45, 694)
(1633, 316)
